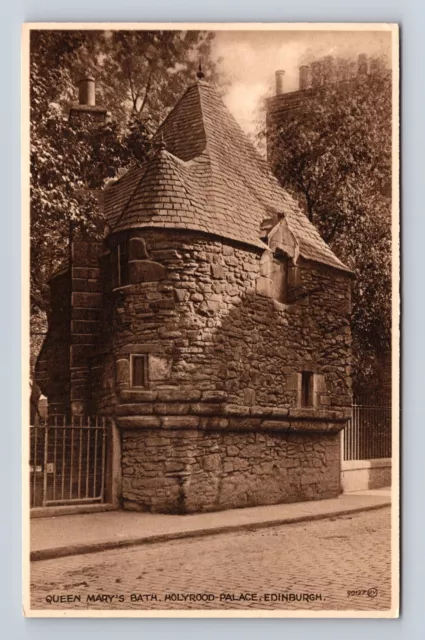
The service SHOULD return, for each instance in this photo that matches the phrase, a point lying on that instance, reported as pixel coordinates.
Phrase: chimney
(362, 65)
(352, 69)
(304, 76)
(316, 73)
(86, 108)
(280, 77)
(87, 92)
(329, 70)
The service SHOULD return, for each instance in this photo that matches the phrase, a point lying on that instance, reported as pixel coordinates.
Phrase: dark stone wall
(203, 315)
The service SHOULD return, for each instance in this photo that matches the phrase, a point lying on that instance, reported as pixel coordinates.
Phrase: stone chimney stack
(316, 74)
(280, 82)
(304, 77)
(87, 91)
(329, 70)
(86, 109)
(362, 64)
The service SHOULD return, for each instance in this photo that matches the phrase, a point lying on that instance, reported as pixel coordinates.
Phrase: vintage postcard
(211, 320)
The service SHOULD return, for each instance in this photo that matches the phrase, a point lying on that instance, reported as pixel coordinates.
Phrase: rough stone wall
(191, 471)
(204, 324)
(224, 362)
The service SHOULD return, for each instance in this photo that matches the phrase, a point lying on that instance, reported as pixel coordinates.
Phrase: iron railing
(68, 461)
(367, 434)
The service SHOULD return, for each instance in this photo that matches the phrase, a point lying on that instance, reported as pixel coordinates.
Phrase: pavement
(334, 564)
(69, 535)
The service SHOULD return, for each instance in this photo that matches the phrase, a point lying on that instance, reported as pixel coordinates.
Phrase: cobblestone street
(330, 557)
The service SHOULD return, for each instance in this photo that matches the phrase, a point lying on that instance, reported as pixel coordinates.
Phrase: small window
(294, 289)
(280, 279)
(119, 255)
(139, 371)
(307, 389)
(286, 279)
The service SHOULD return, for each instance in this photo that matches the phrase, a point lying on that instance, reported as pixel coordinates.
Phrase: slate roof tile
(208, 178)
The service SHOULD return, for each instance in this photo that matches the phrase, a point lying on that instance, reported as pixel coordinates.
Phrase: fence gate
(68, 462)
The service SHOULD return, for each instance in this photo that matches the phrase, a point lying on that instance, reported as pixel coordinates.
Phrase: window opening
(307, 389)
(139, 371)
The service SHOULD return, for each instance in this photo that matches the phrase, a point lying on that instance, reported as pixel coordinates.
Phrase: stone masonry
(219, 423)
(212, 326)
(190, 471)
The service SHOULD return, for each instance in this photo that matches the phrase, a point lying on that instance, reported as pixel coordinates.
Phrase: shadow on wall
(248, 349)
(250, 346)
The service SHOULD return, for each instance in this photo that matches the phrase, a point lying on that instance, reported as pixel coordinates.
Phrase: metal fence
(68, 461)
(367, 434)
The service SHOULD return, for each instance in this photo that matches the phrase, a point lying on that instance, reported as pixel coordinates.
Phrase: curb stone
(96, 547)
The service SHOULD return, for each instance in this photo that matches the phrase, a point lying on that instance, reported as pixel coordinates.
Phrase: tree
(334, 154)
(139, 76)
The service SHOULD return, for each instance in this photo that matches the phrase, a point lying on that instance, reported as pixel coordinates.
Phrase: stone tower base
(189, 471)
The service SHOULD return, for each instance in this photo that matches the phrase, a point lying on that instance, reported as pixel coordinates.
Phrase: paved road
(251, 569)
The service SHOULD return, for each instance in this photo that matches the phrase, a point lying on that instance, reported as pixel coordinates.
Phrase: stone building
(319, 74)
(212, 325)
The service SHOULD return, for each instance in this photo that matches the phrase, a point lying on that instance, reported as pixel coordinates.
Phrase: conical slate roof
(209, 178)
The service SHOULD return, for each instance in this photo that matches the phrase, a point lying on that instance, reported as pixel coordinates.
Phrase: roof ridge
(207, 144)
(170, 113)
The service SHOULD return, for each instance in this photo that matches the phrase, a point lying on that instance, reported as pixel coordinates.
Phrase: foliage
(139, 76)
(334, 154)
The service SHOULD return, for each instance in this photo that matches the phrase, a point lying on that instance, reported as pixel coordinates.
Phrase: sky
(248, 60)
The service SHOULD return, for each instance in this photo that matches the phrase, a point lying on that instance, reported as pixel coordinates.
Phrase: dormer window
(119, 256)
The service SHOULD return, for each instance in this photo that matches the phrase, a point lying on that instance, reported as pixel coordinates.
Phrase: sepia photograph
(210, 293)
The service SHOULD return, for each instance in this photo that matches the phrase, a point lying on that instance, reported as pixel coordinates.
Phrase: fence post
(45, 456)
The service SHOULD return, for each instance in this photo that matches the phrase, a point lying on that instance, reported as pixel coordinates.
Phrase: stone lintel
(140, 348)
